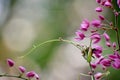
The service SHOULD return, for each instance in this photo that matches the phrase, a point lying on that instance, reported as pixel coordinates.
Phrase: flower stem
(92, 76)
(117, 32)
(84, 75)
(118, 39)
(15, 76)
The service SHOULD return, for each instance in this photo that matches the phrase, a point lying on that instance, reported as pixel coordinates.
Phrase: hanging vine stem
(49, 41)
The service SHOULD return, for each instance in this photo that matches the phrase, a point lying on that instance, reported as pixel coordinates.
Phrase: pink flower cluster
(22, 70)
(107, 3)
(85, 25)
(100, 28)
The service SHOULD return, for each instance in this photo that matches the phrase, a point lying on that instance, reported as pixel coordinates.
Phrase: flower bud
(90, 73)
(96, 23)
(118, 3)
(80, 36)
(101, 17)
(96, 38)
(114, 45)
(30, 74)
(37, 77)
(22, 69)
(98, 9)
(98, 1)
(108, 44)
(106, 36)
(10, 62)
(93, 65)
(108, 4)
(84, 25)
(106, 62)
(98, 76)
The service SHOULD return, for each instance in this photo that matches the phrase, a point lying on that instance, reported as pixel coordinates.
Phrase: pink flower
(118, 3)
(98, 9)
(115, 58)
(10, 62)
(93, 65)
(97, 50)
(22, 69)
(98, 76)
(84, 25)
(105, 63)
(95, 37)
(30, 74)
(96, 23)
(108, 4)
(80, 35)
(116, 64)
(106, 36)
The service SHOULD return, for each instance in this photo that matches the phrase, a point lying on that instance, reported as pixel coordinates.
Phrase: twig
(14, 76)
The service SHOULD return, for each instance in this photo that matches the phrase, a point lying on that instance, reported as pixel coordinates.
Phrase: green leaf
(89, 57)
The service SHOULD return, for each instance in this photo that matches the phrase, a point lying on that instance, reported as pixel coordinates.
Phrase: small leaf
(89, 57)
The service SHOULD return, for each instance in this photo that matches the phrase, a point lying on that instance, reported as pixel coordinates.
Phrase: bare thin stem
(116, 21)
(14, 76)
(118, 39)
(92, 76)
(117, 33)
(84, 75)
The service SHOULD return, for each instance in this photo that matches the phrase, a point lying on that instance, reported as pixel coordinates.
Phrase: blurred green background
(27, 22)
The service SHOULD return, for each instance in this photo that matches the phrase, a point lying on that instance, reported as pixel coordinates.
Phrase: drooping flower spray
(92, 53)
